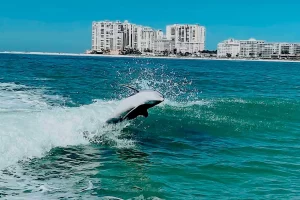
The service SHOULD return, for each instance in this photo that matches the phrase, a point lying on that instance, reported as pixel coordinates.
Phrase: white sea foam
(110, 198)
(31, 127)
(185, 104)
(44, 189)
(27, 133)
(90, 186)
(15, 97)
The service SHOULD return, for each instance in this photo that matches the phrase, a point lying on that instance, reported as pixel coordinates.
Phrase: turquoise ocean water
(227, 130)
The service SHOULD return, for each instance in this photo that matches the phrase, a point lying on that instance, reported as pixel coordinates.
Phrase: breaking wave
(34, 126)
(32, 122)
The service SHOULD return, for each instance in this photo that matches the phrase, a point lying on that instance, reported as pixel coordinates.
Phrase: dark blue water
(227, 130)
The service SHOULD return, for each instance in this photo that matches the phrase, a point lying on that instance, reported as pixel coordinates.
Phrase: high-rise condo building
(187, 38)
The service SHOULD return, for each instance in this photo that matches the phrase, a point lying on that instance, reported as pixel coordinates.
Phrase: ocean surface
(227, 129)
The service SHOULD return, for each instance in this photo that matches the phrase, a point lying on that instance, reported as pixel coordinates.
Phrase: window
(172, 31)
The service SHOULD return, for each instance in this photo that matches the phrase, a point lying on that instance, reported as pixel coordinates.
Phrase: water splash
(175, 86)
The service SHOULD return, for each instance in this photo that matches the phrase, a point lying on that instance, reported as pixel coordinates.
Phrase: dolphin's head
(152, 97)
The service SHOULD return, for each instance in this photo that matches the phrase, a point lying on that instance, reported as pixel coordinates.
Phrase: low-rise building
(164, 44)
(267, 50)
(228, 48)
(277, 50)
(257, 49)
(249, 48)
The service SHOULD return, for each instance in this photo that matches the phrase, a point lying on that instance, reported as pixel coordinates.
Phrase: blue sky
(65, 26)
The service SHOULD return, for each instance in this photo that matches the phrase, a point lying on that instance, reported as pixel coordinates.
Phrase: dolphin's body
(135, 105)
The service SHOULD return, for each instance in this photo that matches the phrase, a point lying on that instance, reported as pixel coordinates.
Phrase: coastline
(135, 56)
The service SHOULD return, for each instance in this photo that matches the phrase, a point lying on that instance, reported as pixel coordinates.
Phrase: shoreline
(135, 56)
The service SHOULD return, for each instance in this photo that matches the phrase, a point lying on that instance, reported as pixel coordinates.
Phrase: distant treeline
(129, 51)
(208, 51)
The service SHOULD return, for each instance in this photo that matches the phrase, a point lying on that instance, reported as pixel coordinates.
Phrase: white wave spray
(36, 127)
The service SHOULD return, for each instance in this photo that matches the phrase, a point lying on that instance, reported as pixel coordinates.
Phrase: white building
(266, 50)
(229, 47)
(278, 49)
(289, 48)
(187, 38)
(249, 48)
(116, 36)
(159, 34)
(258, 49)
(161, 43)
(164, 44)
(132, 35)
(107, 35)
(146, 37)
(295, 48)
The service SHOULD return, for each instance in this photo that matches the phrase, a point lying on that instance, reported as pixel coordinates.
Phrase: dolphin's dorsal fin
(127, 86)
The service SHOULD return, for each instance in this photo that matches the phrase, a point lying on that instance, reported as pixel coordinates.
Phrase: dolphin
(135, 105)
